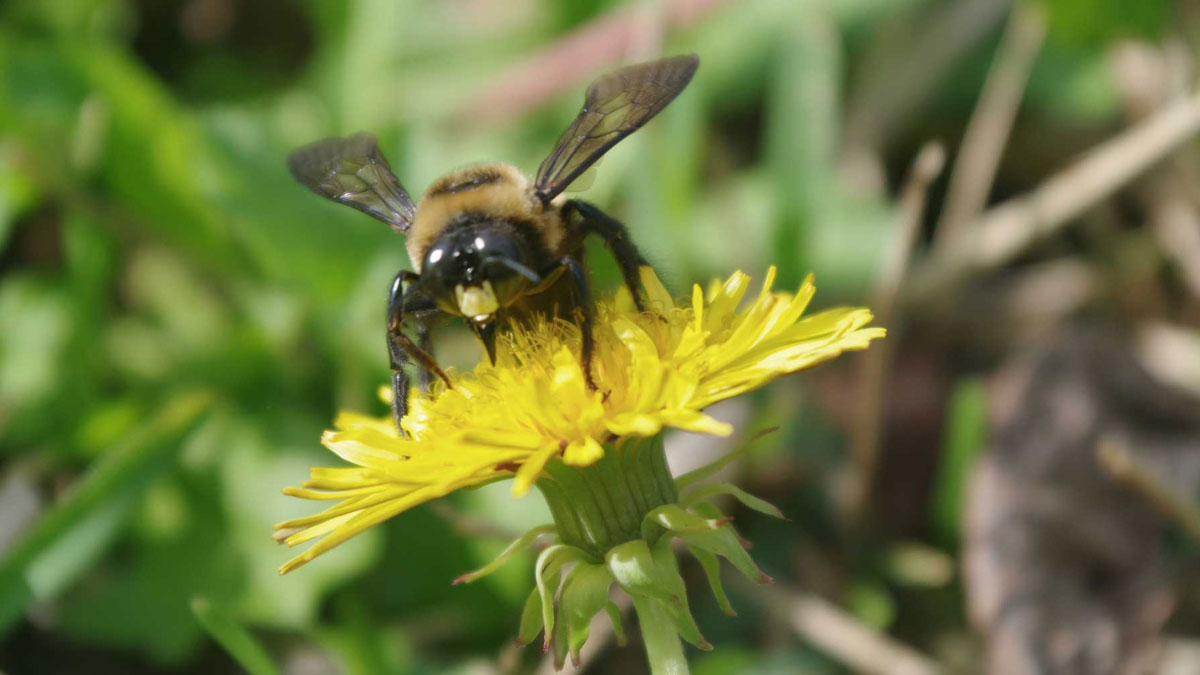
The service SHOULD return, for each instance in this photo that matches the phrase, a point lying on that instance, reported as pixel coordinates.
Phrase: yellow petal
(529, 472)
(583, 452)
(658, 297)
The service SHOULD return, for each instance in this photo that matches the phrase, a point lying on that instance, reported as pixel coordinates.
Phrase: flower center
(601, 505)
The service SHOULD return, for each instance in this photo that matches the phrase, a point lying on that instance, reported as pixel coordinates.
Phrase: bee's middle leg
(402, 303)
(583, 296)
(616, 237)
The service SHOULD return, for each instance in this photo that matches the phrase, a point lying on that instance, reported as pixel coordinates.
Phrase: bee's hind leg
(614, 234)
(401, 304)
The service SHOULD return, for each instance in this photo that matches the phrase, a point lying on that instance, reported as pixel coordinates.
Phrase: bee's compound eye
(438, 275)
(498, 243)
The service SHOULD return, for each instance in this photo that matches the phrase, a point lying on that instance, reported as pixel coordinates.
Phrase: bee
(487, 243)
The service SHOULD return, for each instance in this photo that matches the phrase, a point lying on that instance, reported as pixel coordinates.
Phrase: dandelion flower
(595, 455)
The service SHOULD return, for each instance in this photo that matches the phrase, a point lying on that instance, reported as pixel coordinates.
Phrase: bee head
(475, 272)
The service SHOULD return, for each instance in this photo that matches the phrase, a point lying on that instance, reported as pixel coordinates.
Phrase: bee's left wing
(353, 172)
(616, 105)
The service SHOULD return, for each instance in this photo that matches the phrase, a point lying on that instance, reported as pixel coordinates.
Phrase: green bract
(617, 523)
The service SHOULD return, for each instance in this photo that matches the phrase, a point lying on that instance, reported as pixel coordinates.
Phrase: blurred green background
(179, 321)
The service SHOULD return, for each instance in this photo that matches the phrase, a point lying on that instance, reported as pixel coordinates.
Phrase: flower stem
(663, 647)
(599, 506)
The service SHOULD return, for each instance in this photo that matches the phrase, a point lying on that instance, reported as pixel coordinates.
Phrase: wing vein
(616, 105)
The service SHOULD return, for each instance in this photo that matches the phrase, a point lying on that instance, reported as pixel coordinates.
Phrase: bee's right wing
(616, 105)
(353, 172)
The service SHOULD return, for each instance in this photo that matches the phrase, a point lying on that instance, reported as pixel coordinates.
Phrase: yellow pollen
(476, 302)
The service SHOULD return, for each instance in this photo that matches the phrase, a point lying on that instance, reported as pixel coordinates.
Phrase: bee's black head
(477, 270)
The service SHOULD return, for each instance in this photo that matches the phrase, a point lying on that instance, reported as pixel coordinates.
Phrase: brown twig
(865, 434)
(1176, 654)
(832, 630)
(988, 130)
(1171, 352)
(1147, 79)
(608, 40)
(1114, 456)
(1010, 228)
(1175, 226)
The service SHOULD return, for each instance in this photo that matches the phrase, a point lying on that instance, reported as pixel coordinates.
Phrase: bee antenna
(533, 277)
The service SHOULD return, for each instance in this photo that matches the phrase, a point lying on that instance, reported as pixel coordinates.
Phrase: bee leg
(614, 234)
(424, 341)
(583, 296)
(400, 346)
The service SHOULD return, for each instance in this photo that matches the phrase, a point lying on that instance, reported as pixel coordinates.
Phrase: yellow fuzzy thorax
(507, 195)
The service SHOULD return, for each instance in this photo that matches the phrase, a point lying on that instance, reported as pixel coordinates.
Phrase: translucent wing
(616, 105)
(352, 171)
(585, 180)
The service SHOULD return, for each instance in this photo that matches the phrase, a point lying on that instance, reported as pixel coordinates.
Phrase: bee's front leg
(402, 302)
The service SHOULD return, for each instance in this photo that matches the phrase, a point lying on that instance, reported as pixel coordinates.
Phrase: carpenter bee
(487, 243)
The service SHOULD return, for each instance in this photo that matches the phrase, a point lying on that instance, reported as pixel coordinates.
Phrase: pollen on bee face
(476, 302)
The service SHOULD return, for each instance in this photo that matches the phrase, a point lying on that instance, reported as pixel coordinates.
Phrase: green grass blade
(802, 129)
(965, 435)
(241, 646)
(46, 558)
